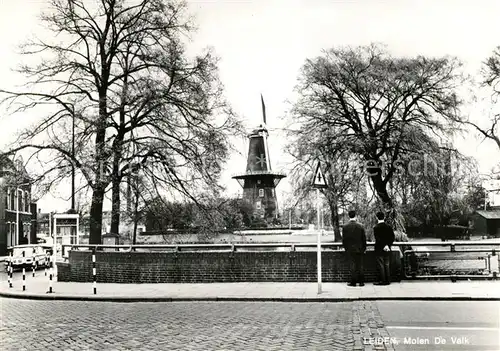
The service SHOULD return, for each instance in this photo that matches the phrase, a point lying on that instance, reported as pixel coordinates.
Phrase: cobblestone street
(72, 325)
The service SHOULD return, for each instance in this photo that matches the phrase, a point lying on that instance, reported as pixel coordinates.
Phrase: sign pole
(319, 181)
(319, 240)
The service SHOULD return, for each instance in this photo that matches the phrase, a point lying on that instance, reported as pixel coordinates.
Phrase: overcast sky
(263, 43)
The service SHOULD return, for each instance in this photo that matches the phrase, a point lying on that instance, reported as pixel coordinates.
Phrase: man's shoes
(361, 284)
(351, 284)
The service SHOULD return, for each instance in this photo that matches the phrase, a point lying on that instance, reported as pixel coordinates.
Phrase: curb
(55, 297)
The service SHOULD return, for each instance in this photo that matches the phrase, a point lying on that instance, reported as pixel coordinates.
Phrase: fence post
(94, 275)
(494, 266)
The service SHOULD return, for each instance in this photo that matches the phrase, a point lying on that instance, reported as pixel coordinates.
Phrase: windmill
(259, 181)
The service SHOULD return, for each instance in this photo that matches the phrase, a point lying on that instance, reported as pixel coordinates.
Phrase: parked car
(34, 255)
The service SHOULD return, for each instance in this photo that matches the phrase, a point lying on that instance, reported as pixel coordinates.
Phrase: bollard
(11, 269)
(50, 281)
(47, 262)
(34, 261)
(94, 284)
(8, 270)
(24, 273)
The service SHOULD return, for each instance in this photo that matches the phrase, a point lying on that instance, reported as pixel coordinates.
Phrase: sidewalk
(37, 287)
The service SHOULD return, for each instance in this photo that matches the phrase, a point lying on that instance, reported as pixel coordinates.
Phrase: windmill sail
(263, 108)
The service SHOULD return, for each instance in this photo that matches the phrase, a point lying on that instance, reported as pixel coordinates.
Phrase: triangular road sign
(319, 179)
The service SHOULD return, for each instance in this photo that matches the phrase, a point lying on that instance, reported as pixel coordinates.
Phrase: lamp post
(17, 213)
(73, 164)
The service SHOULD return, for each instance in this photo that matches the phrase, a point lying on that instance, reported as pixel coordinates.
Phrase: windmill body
(259, 181)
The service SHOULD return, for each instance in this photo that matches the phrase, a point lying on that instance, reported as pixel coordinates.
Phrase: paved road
(73, 325)
(442, 325)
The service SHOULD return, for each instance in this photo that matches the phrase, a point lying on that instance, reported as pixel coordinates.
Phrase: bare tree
(373, 103)
(435, 187)
(491, 75)
(120, 72)
(342, 175)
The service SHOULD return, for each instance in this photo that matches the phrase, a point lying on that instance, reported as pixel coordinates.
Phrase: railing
(207, 247)
(418, 262)
(291, 246)
(413, 259)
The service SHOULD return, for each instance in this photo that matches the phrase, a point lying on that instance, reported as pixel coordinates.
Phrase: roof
(495, 214)
(66, 215)
(28, 246)
(13, 170)
(257, 174)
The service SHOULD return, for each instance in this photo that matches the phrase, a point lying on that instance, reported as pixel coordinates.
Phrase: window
(21, 204)
(13, 233)
(9, 236)
(12, 199)
(272, 192)
(261, 192)
(258, 205)
(27, 197)
(7, 199)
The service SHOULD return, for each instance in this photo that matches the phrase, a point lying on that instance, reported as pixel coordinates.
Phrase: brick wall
(63, 272)
(198, 267)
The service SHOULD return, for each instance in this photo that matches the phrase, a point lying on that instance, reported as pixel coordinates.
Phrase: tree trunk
(96, 216)
(381, 190)
(117, 156)
(100, 162)
(334, 209)
(392, 216)
(115, 197)
(136, 218)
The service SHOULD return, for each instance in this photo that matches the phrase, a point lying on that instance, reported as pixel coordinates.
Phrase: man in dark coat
(384, 238)
(354, 242)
